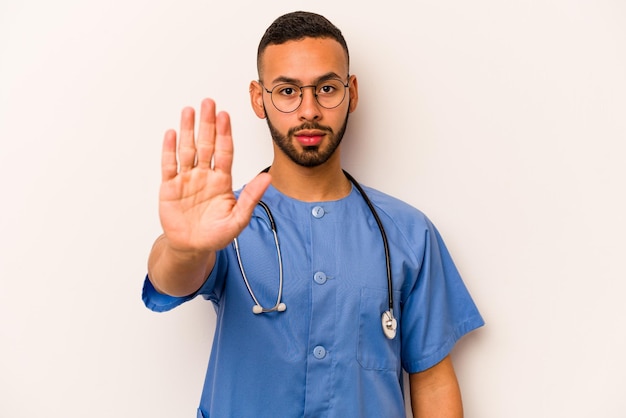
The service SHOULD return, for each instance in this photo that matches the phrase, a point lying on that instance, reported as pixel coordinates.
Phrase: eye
(326, 89)
(288, 90)
(329, 87)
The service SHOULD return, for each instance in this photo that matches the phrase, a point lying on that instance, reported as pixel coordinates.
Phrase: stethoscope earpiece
(258, 309)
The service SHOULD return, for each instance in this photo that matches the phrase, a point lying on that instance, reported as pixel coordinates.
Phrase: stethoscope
(388, 321)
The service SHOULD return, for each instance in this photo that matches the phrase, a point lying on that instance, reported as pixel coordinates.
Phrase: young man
(307, 323)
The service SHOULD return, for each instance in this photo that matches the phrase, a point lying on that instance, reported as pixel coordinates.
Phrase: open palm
(197, 207)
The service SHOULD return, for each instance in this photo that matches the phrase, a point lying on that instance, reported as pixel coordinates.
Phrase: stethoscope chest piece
(390, 324)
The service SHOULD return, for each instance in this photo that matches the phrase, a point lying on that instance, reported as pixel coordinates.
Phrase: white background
(504, 121)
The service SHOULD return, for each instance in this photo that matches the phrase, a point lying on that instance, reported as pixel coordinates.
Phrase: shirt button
(320, 278)
(319, 352)
(318, 212)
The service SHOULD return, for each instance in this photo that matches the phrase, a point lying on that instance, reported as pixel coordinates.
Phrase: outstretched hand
(197, 207)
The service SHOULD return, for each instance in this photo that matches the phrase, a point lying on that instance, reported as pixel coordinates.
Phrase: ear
(353, 91)
(256, 99)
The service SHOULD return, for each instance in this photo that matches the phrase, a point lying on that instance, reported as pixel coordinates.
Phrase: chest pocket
(375, 351)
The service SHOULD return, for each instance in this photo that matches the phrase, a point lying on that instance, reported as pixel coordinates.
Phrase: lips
(309, 138)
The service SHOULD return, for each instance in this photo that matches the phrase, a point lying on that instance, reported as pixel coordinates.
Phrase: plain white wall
(504, 121)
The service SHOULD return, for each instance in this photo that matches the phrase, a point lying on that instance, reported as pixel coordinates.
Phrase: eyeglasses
(287, 97)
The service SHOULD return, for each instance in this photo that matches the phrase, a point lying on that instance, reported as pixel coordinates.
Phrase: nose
(309, 108)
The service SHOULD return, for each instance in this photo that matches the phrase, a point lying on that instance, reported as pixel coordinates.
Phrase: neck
(310, 184)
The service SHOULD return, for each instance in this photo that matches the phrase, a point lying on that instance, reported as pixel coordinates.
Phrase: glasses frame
(313, 86)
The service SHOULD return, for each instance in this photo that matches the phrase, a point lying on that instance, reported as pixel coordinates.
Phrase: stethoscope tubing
(383, 235)
(389, 322)
(258, 308)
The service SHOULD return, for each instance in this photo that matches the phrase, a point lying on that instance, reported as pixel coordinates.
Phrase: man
(304, 326)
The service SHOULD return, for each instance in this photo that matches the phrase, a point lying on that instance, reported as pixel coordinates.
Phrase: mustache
(310, 125)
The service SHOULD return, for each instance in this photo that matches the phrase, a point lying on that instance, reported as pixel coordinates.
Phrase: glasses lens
(330, 93)
(287, 97)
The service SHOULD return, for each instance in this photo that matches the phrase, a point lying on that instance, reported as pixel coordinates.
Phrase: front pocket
(375, 351)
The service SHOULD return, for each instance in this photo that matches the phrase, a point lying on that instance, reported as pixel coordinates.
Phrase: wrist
(178, 272)
(179, 253)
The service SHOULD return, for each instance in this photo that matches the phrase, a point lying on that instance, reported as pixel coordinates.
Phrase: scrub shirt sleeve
(438, 310)
(159, 302)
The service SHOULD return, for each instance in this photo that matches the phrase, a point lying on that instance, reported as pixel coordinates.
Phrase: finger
(206, 134)
(169, 166)
(223, 158)
(186, 142)
(249, 198)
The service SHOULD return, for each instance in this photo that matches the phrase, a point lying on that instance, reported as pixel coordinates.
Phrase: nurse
(322, 255)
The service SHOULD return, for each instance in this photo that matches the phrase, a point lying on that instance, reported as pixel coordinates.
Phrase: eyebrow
(284, 79)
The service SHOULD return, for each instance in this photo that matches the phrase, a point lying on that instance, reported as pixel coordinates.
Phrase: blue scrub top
(326, 355)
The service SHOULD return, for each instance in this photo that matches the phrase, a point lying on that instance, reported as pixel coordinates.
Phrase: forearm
(177, 273)
(435, 392)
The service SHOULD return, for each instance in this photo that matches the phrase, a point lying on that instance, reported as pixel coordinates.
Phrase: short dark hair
(296, 26)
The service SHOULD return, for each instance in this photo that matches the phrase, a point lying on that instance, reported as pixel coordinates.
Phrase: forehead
(304, 60)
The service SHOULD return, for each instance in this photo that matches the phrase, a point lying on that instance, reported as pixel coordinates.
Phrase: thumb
(250, 196)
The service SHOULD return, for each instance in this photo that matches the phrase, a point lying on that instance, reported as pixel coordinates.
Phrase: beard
(312, 156)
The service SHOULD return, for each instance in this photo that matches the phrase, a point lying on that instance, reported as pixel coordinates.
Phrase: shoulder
(402, 221)
(397, 210)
